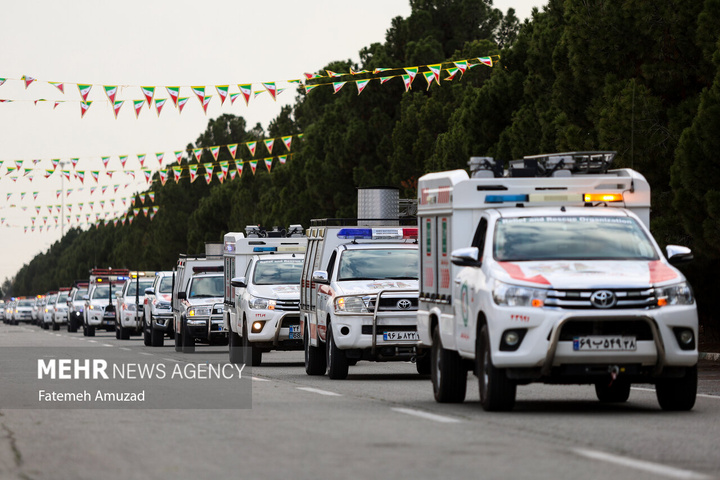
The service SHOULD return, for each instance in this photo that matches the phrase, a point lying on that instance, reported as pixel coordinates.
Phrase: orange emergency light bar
(603, 197)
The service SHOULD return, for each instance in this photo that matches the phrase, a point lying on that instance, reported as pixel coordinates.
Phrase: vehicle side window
(247, 272)
(480, 234)
(331, 264)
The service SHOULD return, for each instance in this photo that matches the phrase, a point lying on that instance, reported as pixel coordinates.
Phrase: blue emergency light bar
(505, 198)
(265, 249)
(378, 233)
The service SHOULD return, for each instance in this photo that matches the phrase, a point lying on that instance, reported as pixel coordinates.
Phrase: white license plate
(605, 343)
(393, 336)
(294, 332)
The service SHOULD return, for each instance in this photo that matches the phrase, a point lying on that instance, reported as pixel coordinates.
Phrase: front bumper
(280, 329)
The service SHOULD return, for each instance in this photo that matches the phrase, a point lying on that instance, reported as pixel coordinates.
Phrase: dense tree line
(641, 78)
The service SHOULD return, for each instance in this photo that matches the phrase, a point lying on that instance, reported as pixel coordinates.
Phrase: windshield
(62, 298)
(101, 291)
(278, 272)
(26, 303)
(165, 285)
(80, 294)
(51, 299)
(571, 238)
(133, 288)
(205, 287)
(401, 264)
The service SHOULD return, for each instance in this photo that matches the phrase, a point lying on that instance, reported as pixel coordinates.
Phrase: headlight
(130, 307)
(679, 294)
(515, 296)
(352, 304)
(199, 311)
(257, 303)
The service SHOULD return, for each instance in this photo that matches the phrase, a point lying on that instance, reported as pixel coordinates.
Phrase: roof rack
(546, 165)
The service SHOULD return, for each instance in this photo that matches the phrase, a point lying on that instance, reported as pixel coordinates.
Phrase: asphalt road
(380, 422)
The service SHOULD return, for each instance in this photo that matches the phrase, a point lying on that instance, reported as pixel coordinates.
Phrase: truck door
(465, 297)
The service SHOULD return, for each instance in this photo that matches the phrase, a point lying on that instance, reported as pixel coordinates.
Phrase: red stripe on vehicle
(516, 273)
(659, 272)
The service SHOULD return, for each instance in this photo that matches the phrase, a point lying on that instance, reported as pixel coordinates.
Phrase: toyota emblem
(603, 299)
(404, 304)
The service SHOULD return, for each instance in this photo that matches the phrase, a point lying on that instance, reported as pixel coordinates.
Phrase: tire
(253, 354)
(187, 341)
(55, 326)
(90, 331)
(423, 364)
(124, 332)
(235, 348)
(157, 337)
(315, 361)
(336, 360)
(447, 373)
(497, 391)
(678, 394)
(147, 341)
(616, 392)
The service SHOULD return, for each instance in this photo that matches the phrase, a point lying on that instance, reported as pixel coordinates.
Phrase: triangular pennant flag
(84, 91)
(198, 153)
(80, 175)
(429, 78)
(253, 165)
(407, 81)
(110, 91)
(268, 163)
(200, 92)
(148, 174)
(74, 162)
(233, 149)
(361, 84)
(215, 151)
(160, 156)
(116, 107)
(251, 146)
(223, 92)
(332, 74)
(35, 194)
(205, 103)
(239, 167)
(181, 103)
(174, 93)
(163, 174)
(66, 173)
(193, 172)
(123, 159)
(486, 61)
(57, 85)
(145, 211)
(269, 144)
(282, 159)
(233, 97)
(177, 171)
(337, 86)
(208, 173)
(48, 173)
(224, 167)
(28, 80)
(221, 176)
(141, 159)
(233, 173)
(287, 141)
(451, 73)
(462, 65)
(152, 196)
(271, 88)
(149, 93)
(310, 87)
(131, 173)
(384, 79)
(18, 163)
(411, 71)
(110, 173)
(178, 155)
(84, 108)
(310, 76)
(137, 105)
(435, 69)
(246, 90)
(159, 104)
(95, 174)
(103, 189)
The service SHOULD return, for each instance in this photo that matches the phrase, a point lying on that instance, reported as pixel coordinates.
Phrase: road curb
(713, 357)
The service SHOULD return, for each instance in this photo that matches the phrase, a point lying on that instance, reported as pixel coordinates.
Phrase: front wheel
(254, 353)
(178, 342)
(678, 394)
(187, 341)
(336, 360)
(147, 340)
(447, 372)
(235, 347)
(315, 362)
(497, 391)
(157, 337)
(423, 364)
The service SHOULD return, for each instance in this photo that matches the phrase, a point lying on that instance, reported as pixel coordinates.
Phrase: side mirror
(466, 257)
(677, 255)
(320, 276)
(85, 297)
(149, 291)
(181, 296)
(239, 282)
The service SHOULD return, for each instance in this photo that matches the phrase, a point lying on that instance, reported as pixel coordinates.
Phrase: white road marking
(258, 379)
(426, 415)
(171, 359)
(319, 392)
(146, 353)
(703, 395)
(653, 468)
(106, 345)
(126, 349)
(92, 341)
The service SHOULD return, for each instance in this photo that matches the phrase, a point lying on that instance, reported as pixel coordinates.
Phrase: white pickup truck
(548, 273)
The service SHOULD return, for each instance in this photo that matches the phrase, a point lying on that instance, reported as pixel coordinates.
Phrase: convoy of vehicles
(157, 310)
(550, 274)
(542, 272)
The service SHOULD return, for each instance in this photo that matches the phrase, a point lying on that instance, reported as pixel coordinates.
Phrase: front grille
(381, 329)
(394, 304)
(579, 328)
(288, 305)
(290, 320)
(581, 299)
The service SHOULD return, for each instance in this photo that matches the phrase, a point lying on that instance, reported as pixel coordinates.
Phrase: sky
(147, 43)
